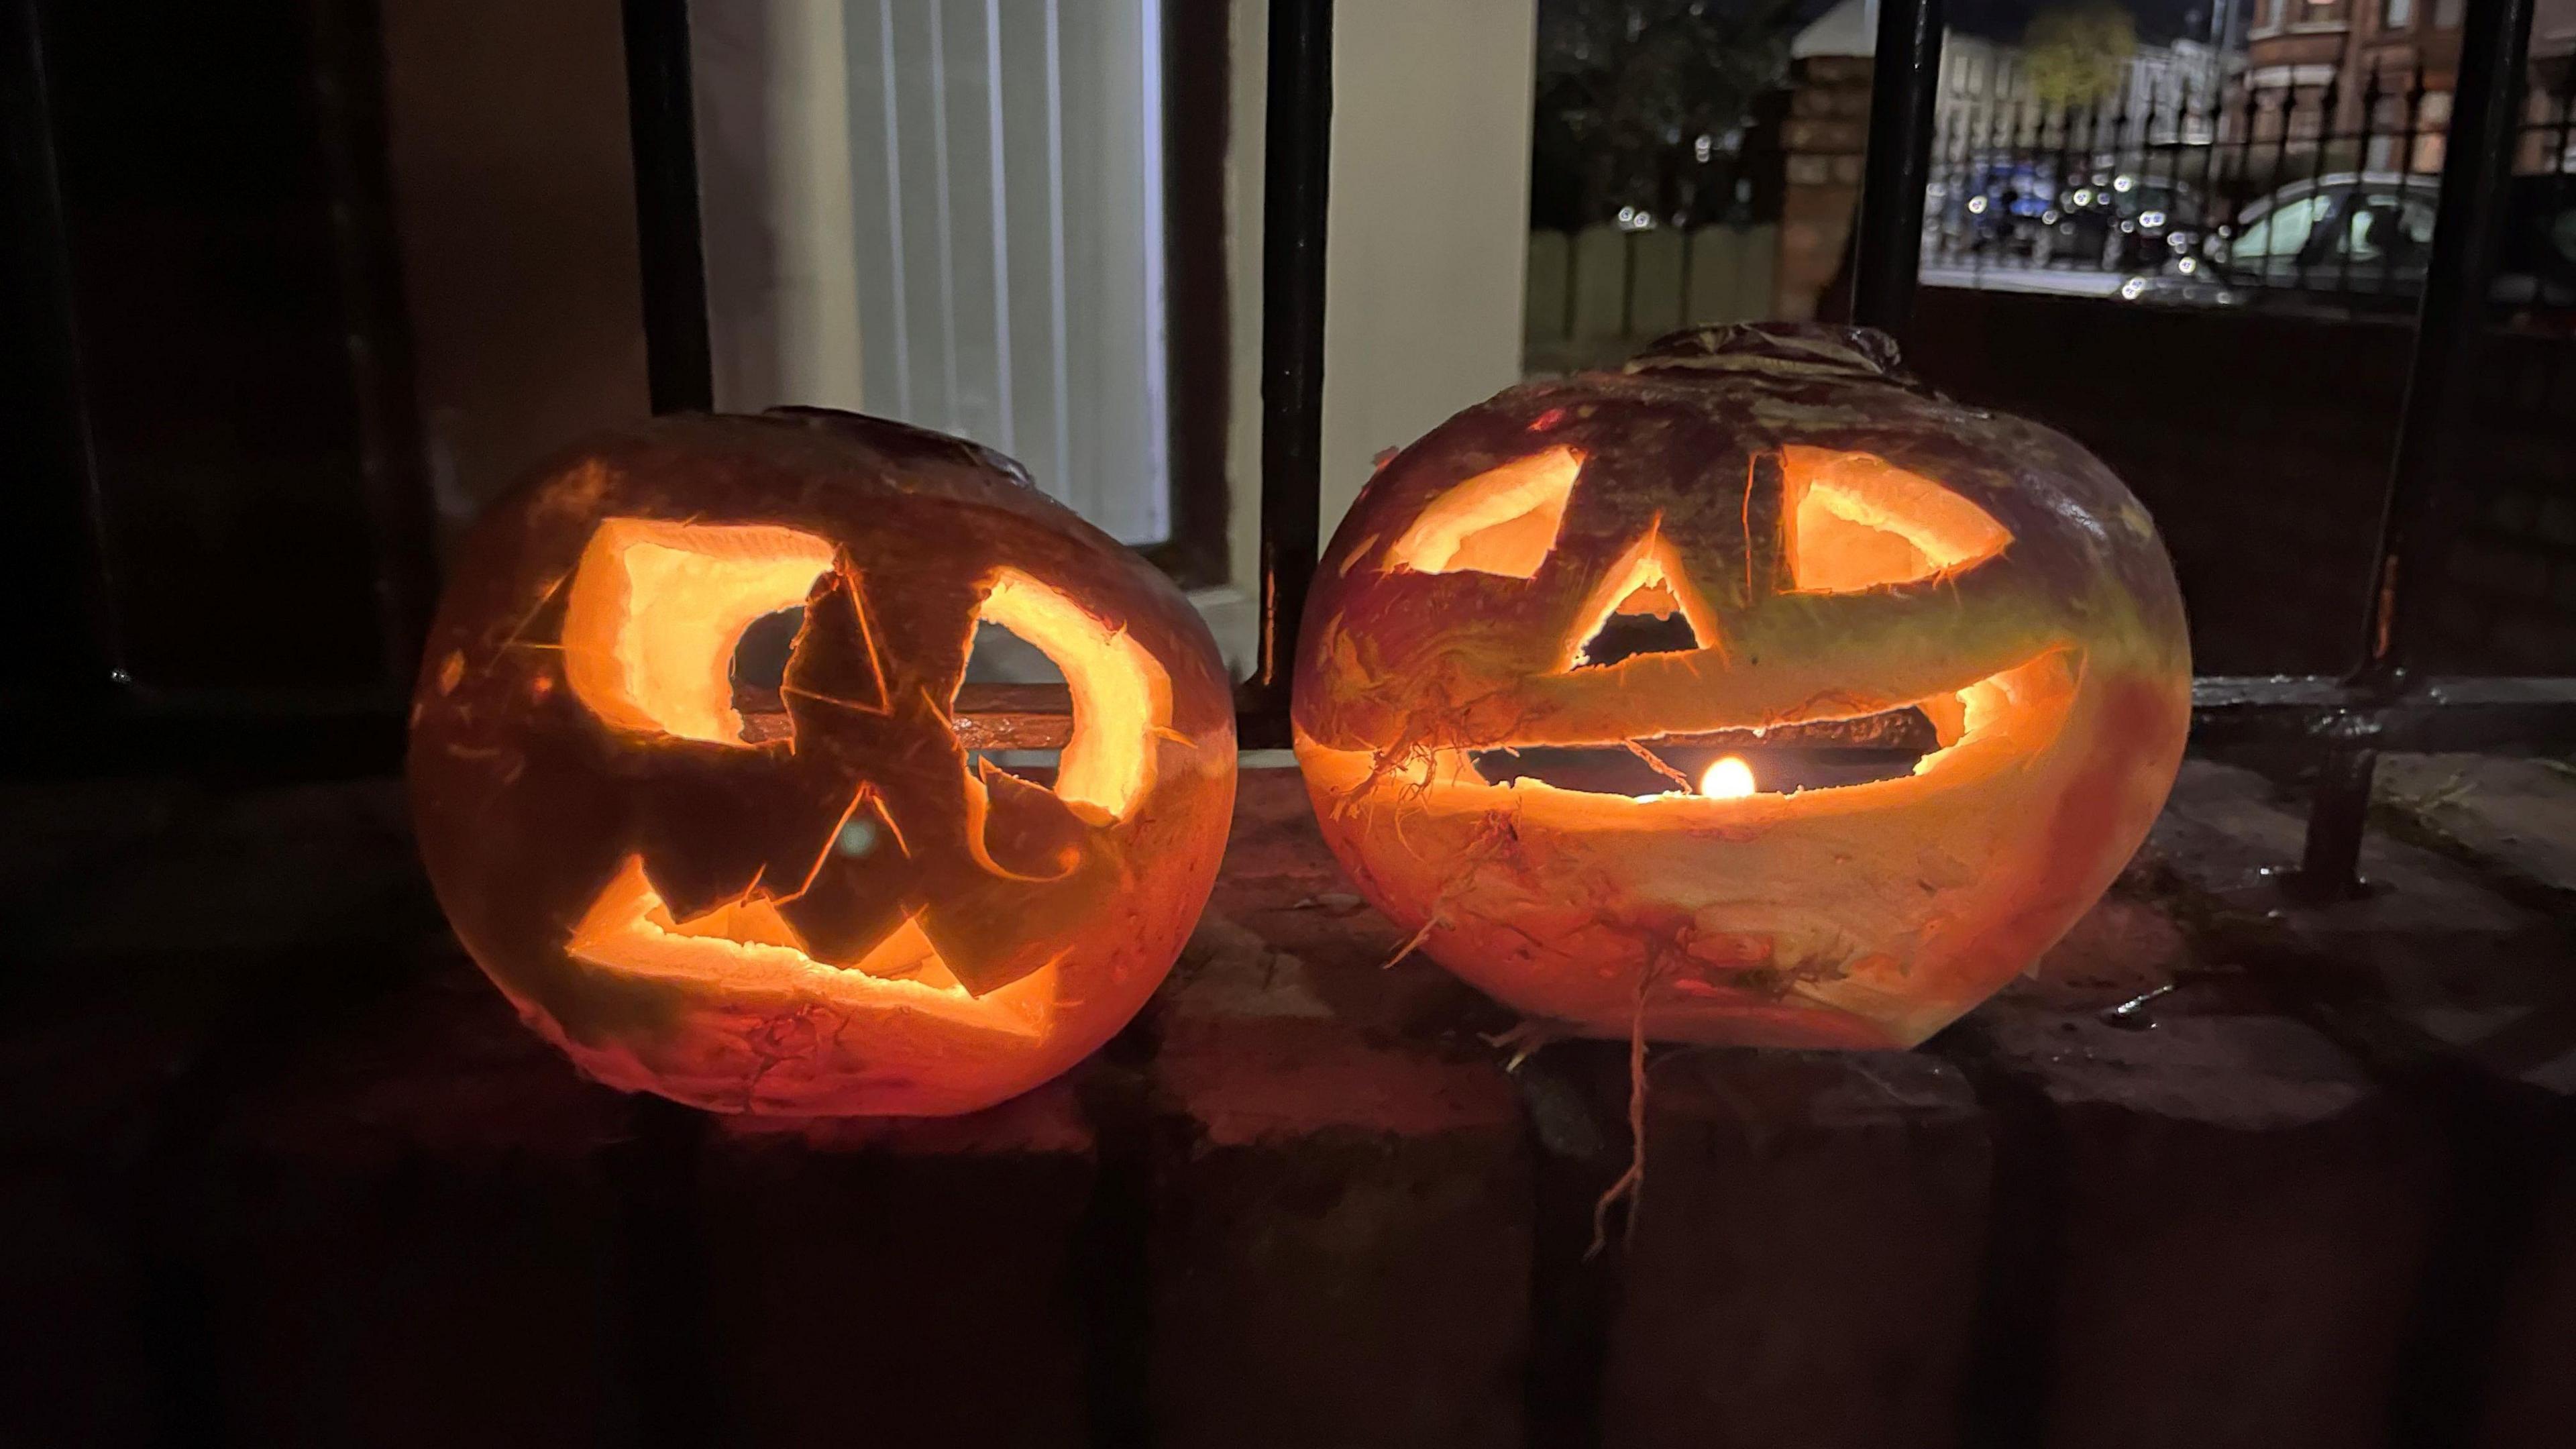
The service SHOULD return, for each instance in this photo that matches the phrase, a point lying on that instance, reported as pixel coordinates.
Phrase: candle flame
(1729, 779)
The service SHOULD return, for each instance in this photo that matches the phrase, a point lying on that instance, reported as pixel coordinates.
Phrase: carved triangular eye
(657, 609)
(1502, 521)
(1856, 522)
(1645, 604)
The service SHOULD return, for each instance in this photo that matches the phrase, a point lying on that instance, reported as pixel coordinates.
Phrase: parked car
(1995, 207)
(2119, 220)
(2098, 216)
(2360, 241)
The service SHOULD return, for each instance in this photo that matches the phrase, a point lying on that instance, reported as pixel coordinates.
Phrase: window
(952, 214)
(2388, 227)
(2396, 14)
(2278, 234)
(2560, 233)
(1010, 234)
(2446, 14)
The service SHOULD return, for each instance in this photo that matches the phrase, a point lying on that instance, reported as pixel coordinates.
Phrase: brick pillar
(1827, 129)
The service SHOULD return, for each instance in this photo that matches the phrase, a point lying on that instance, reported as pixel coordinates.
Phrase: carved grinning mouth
(746, 945)
(1729, 763)
(2003, 718)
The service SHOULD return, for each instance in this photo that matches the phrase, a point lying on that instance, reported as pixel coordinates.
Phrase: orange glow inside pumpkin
(1648, 581)
(1924, 705)
(657, 610)
(2005, 719)
(748, 944)
(655, 613)
(1852, 522)
(1856, 522)
(1122, 699)
(1502, 521)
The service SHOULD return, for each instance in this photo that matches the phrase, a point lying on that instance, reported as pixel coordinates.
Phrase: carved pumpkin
(1815, 546)
(803, 891)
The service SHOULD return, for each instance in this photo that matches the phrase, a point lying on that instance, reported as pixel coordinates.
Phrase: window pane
(949, 213)
(2387, 227)
(2280, 233)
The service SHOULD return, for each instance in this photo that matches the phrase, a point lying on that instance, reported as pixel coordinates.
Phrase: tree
(1626, 89)
(2074, 54)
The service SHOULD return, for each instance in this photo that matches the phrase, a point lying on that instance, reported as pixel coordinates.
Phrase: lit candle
(1729, 779)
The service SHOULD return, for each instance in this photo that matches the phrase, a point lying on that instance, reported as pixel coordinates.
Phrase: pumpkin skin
(1842, 543)
(829, 907)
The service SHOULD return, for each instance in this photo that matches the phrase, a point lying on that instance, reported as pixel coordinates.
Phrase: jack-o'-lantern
(1724, 571)
(802, 887)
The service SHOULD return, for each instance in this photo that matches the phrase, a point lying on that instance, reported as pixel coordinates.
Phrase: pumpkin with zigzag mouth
(804, 891)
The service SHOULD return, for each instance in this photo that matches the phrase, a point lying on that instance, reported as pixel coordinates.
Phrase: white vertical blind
(1007, 184)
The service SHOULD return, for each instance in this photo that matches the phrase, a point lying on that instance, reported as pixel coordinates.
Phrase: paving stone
(243, 873)
(1574, 1100)
(81, 1087)
(1283, 934)
(2216, 1230)
(1302, 1202)
(56, 832)
(130, 971)
(2433, 960)
(2122, 949)
(411, 1235)
(1340, 1249)
(1804, 1266)
(73, 1364)
(2132, 954)
(2451, 975)
(902, 1281)
(2517, 815)
(2530, 1395)
(74, 1369)
(1340, 1207)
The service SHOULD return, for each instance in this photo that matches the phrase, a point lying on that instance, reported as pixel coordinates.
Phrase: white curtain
(969, 195)
(1006, 176)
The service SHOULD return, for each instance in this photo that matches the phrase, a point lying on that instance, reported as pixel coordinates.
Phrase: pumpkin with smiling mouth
(800, 886)
(1785, 537)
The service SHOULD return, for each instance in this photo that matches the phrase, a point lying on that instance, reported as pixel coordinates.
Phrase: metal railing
(2382, 704)
(2193, 184)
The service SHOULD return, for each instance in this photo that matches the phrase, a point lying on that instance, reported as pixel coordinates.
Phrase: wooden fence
(1594, 295)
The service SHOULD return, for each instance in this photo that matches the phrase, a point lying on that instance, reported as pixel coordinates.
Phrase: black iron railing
(2199, 179)
(1297, 165)
(2382, 705)
(679, 359)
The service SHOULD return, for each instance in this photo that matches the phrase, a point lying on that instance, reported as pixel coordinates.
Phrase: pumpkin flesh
(1841, 544)
(817, 901)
